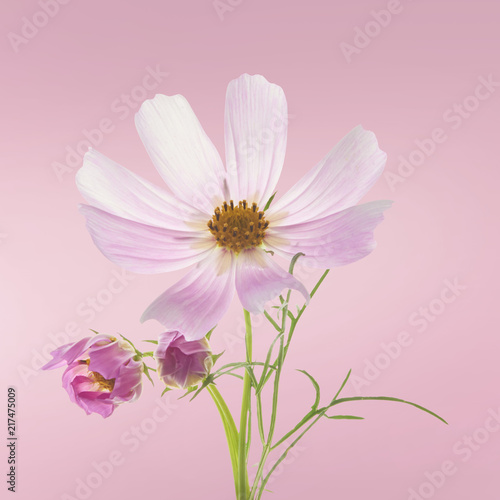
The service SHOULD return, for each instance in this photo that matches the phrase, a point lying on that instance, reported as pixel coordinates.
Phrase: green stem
(229, 428)
(268, 446)
(245, 408)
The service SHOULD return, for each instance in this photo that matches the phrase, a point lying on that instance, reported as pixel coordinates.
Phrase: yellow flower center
(102, 383)
(238, 227)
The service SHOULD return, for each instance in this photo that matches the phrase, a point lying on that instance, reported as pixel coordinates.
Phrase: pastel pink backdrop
(443, 225)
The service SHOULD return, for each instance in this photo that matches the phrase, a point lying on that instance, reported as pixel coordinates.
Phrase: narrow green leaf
(151, 341)
(294, 260)
(209, 334)
(215, 357)
(146, 372)
(316, 388)
(208, 380)
(189, 391)
(271, 320)
(263, 378)
(167, 389)
(342, 386)
(344, 417)
(385, 398)
(269, 201)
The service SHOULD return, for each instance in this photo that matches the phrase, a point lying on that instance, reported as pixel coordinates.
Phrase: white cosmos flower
(212, 217)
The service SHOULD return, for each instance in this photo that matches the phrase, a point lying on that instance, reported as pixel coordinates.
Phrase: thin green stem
(283, 456)
(245, 408)
(268, 446)
(293, 324)
(311, 414)
(229, 428)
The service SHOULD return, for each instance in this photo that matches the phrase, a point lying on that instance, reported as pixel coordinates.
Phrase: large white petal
(183, 154)
(332, 241)
(196, 303)
(256, 123)
(259, 279)
(110, 187)
(142, 248)
(339, 181)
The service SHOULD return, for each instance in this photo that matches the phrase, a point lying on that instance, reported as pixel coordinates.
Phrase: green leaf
(262, 380)
(151, 341)
(344, 417)
(294, 260)
(342, 386)
(148, 354)
(95, 331)
(209, 334)
(269, 201)
(208, 380)
(189, 391)
(167, 389)
(385, 398)
(146, 372)
(316, 388)
(215, 357)
(271, 320)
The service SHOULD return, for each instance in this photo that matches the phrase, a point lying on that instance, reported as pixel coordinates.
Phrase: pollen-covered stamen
(104, 384)
(238, 226)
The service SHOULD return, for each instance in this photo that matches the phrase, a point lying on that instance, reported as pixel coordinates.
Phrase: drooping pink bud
(182, 363)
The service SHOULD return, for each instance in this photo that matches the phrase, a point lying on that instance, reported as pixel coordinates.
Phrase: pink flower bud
(101, 373)
(182, 363)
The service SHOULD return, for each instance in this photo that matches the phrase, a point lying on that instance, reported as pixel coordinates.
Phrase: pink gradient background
(443, 225)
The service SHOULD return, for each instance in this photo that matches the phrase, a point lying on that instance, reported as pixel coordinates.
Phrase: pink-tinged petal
(332, 241)
(145, 249)
(107, 185)
(195, 304)
(259, 279)
(177, 340)
(79, 372)
(339, 181)
(96, 402)
(165, 339)
(82, 391)
(108, 359)
(182, 363)
(66, 354)
(256, 124)
(128, 385)
(181, 151)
